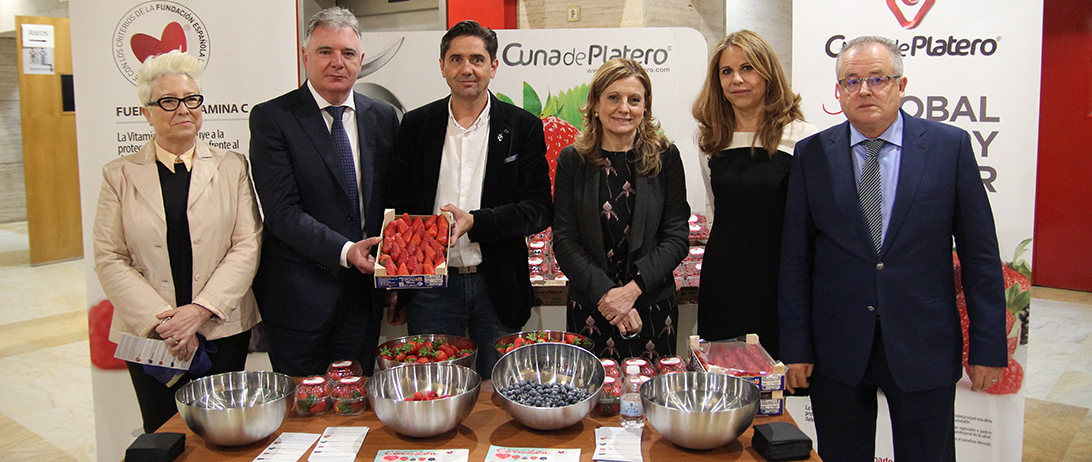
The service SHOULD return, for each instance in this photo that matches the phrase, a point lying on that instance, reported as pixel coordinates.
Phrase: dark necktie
(345, 157)
(870, 195)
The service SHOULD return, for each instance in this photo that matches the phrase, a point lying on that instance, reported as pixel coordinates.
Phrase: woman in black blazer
(620, 216)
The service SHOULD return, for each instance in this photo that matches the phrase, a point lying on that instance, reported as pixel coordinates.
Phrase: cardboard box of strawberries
(413, 253)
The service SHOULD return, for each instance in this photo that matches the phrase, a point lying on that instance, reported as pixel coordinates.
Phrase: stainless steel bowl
(389, 389)
(699, 410)
(462, 343)
(549, 363)
(558, 336)
(236, 408)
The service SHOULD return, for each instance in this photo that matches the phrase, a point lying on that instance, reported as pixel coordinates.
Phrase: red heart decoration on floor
(145, 46)
(910, 24)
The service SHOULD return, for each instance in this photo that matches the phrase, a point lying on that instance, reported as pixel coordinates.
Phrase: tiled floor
(46, 411)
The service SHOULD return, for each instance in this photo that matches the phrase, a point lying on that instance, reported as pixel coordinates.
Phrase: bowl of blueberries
(548, 386)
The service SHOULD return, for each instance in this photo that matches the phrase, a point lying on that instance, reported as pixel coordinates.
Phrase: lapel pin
(500, 136)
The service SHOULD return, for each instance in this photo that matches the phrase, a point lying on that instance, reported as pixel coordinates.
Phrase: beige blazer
(130, 242)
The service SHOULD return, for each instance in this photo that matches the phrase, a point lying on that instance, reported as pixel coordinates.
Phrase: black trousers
(351, 332)
(922, 422)
(156, 400)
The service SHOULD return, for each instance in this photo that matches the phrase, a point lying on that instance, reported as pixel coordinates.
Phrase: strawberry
(560, 117)
(402, 270)
(318, 408)
(1012, 378)
(559, 134)
(964, 323)
(418, 396)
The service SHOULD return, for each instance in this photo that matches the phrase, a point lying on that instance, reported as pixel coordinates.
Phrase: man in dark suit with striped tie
(319, 156)
(867, 299)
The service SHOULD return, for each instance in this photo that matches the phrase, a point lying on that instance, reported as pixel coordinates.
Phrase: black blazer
(515, 194)
(659, 236)
(305, 201)
(833, 285)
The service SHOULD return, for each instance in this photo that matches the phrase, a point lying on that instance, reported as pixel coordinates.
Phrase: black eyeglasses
(170, 103)
(876, 82)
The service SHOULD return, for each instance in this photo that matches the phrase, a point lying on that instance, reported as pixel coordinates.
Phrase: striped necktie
(870, 195)
(348, 167)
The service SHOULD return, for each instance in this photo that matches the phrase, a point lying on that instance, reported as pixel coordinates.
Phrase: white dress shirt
(462, 172)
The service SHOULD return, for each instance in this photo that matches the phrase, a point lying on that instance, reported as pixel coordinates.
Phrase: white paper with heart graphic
(417, 455)
(506, 454)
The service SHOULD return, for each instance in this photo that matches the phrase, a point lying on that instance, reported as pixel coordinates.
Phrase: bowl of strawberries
(510, 342)
(424, 400)
(427, 348)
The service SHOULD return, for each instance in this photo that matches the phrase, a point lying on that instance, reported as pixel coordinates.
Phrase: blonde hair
(714, 113)
(649, 142)
(171, 63)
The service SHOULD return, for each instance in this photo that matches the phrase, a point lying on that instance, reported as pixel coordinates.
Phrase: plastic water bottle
(631, 410)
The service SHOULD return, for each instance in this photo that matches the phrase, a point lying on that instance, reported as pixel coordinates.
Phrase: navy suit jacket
(515, 200)
(833, 285)
(305, 202)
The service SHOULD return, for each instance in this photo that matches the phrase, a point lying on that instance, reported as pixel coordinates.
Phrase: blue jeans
(464, 305)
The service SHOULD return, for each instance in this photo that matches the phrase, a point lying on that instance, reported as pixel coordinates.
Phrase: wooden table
(487, 425)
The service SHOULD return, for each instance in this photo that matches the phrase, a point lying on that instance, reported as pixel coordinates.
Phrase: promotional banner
(547, 72)
(959, 58)
(246, 63)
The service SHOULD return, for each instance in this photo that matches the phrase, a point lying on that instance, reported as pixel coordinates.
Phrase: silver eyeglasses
(170, 103)
(853, 85)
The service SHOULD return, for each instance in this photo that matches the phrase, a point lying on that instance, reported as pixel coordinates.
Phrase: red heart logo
(390, 457)
(502, 456)
(910, 24)
(145, 46)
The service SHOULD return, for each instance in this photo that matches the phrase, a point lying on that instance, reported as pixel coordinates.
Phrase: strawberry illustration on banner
(145, 46)
(560, 118)
(1017, 301)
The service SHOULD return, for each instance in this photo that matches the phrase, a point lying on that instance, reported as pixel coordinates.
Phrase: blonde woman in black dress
(620, 216)
(749, 120)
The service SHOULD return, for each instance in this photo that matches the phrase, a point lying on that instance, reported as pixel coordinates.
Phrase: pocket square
(511, 158)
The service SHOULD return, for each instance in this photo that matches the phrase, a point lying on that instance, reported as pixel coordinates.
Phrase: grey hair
(174, 62)
(860, 42)
(332, 18)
